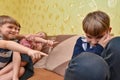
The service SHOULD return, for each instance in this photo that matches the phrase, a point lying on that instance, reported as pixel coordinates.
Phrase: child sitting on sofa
(34, 41)
(87, 51)
(8, 31)
(37, 41)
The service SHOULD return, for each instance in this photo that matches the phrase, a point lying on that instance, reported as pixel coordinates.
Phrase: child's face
(93, 40)
(41, 34)
(38, 46)
(9, 31)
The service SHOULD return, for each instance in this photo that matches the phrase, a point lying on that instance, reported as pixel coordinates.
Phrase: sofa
(54, 65)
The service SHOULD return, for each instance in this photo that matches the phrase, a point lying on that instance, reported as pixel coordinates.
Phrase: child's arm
(48, 42)
(38, 39)
(41, 40)
(22, 49)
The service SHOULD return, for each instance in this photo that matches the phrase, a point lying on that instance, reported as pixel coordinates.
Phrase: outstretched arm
(19, 48)
(48, 42)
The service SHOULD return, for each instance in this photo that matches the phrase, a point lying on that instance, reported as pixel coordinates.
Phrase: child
(34, 41)
(96, 26)
(8, 31)
(37, 41)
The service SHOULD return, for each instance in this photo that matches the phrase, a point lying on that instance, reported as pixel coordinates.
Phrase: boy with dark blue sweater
(95, 56)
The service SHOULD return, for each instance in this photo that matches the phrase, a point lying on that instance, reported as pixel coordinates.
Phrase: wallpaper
(58, 16)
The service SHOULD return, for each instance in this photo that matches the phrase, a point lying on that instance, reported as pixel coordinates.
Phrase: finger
(33, 56)
(37, 56)
(43, 54)
(55, 42)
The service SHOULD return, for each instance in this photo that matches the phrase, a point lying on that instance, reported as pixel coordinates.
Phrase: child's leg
(23, 63)
(6, 69)
(13, 66)
(9, 75)
(9, 67)
(16, 65)
(21, 72)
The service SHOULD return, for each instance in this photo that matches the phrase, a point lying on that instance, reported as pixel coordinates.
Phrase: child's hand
(103, 42)
(30, 37)
(51, 42)
(36, 54)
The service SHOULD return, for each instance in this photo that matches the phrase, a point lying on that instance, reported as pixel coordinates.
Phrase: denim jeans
(89, 66)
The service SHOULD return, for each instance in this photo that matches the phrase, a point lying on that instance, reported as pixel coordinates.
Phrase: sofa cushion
(61, 68)
(40, 63)
(46, 49)
(59, 57)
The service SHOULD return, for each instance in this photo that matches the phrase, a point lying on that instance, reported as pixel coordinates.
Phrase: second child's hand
(105, 39)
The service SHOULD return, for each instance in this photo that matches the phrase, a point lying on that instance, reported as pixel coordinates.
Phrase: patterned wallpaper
(58, 16)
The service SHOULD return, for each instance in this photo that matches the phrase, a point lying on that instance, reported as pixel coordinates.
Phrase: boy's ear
(110, 29)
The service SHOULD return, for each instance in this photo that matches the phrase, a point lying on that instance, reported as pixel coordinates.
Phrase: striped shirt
(5, 56)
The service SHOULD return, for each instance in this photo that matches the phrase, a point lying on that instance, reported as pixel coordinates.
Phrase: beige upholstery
(40, 63)
(59, 38)
(61, 68)
(59, 56)
(58, 59)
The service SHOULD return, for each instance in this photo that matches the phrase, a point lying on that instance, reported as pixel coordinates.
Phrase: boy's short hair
(7, 19)
(96, 23)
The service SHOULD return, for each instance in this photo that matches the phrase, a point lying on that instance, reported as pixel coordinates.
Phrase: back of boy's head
(7, 19)
(96, 23)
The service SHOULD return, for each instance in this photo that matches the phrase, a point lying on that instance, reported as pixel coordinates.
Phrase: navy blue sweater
(83, 46)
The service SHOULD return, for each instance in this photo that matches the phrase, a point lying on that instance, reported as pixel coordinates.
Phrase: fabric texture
(83, 46)
(61, 54)
(5, 56)
(87, 66)
(60, 38)
(111, 54)
(29, 71)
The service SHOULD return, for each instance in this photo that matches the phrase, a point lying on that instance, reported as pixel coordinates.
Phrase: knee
(22, 70)
(23, 63)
